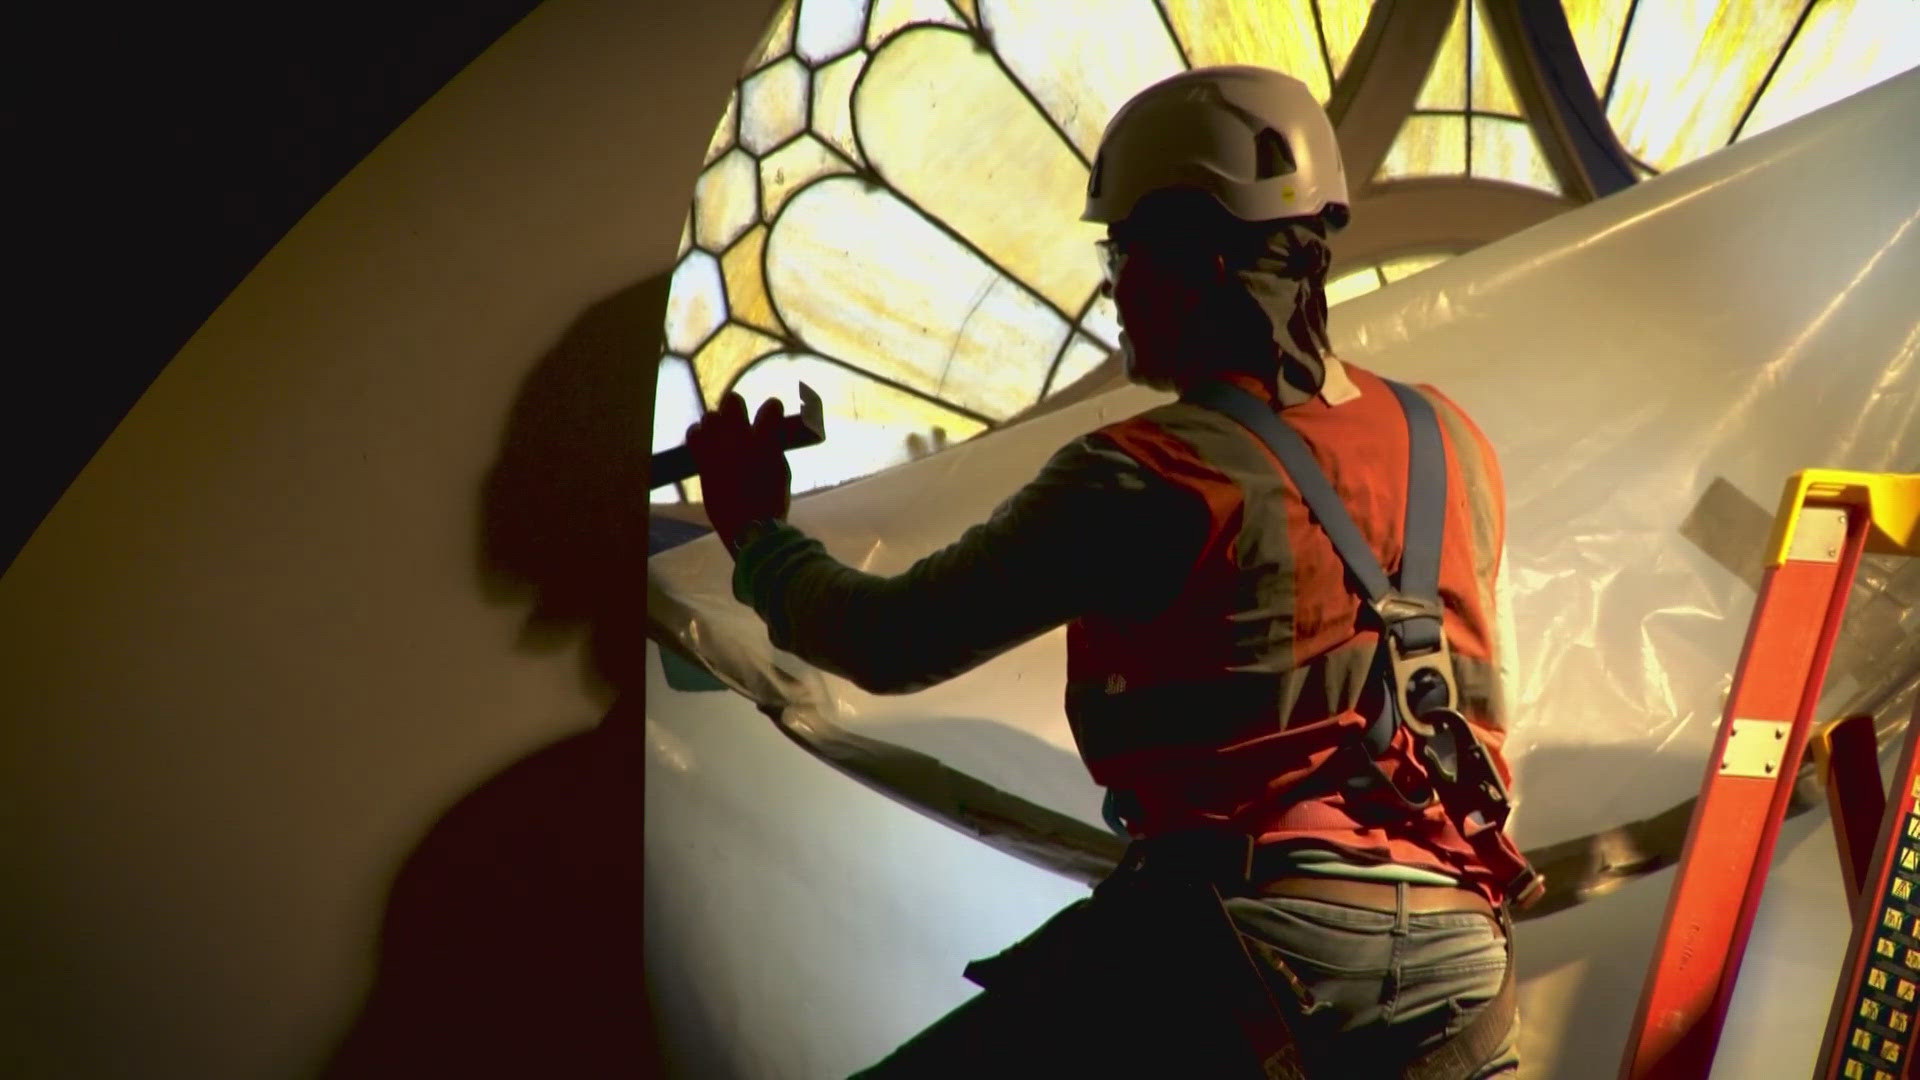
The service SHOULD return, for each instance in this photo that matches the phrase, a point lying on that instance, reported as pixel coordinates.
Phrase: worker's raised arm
(1092, 532)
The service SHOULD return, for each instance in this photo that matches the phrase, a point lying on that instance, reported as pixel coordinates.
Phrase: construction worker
(1311, 746)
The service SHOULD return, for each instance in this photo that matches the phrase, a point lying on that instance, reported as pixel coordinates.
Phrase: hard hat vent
(1271, 155)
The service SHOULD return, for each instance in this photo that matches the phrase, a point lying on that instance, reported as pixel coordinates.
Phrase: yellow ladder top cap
(1891, 500)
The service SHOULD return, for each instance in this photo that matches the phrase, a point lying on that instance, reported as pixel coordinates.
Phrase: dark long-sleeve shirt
(1094, 532)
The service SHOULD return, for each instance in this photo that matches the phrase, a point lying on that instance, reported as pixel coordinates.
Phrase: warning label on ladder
(1880, 1020)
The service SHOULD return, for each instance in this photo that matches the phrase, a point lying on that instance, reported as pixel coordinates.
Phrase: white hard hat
(1253, 138)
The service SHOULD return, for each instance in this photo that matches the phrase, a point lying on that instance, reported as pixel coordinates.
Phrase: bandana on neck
(1288, 283)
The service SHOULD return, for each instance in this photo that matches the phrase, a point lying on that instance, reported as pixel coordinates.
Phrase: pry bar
(806, 428)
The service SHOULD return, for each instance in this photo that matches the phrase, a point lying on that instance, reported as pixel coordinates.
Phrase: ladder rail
(1749, 779)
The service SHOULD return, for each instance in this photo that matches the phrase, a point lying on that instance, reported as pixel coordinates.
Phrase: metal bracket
(1819, 534)
(1755, 748)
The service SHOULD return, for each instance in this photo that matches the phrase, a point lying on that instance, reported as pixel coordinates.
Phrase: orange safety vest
(1242, 704)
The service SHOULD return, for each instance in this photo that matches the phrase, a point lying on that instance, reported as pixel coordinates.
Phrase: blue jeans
(1383, 986)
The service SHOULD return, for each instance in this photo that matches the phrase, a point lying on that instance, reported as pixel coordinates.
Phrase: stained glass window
(1682, 78)
(1467, 119)
(889, 206)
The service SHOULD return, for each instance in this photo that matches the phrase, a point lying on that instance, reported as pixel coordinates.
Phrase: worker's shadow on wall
(511, 941)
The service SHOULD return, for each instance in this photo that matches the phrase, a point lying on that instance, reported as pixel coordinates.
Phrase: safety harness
(1178, 880)
(1413, 664)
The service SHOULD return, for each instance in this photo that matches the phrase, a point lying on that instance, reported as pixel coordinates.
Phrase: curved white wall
(251, 658)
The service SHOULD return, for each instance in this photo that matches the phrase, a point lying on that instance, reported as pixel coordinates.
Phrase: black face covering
(1271, 318)
(1286, 284)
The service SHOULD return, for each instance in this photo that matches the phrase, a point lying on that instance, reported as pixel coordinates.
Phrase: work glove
(744, 476)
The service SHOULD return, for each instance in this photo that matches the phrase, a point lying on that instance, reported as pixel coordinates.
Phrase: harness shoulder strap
(1411, 613)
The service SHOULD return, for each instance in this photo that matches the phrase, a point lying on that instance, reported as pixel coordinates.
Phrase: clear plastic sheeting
(1651, 368)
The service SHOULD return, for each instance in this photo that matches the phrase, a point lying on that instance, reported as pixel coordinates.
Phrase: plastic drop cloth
(1650, 367)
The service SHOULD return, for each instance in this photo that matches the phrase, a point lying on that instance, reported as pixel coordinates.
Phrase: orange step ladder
(1827, 519)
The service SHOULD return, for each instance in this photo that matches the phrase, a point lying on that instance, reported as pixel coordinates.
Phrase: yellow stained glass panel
(871, 426)
(741, 267)
(1351, 284)
(891, 15)
(1446, 85)
(1506, 150)
(1407, 266)
(833, 103)
(968, 10)
(862, 277)
(828, 28)
(778, 39)
(773, 105)
(1279, 34)
(726, 354)
(696, 302)
(783, 171)
(1596, 26)
(1080, 359)
(1427, 146)
(724, 201)
(1844, 47)
(1492, 89)
(1344, 20)
(722, 140)
(1687, 72)
(1082, 59)
(933, 109)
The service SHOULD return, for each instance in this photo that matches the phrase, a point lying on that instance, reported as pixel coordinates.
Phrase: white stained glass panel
(1102, 321)
(676, 405)
(696, 302)
(869, 424)
(890, 15)
(1506, 150)
(833, 103)
(773, 105)
(724, 201)
(1081, 357)
(1082, 59)
(862, 277)
(941, 122)
(828, 28)
(1844, 47)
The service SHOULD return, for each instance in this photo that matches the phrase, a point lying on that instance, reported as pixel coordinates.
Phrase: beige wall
(281, 623)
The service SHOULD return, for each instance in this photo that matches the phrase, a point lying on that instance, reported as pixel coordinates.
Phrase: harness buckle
(1414, 633)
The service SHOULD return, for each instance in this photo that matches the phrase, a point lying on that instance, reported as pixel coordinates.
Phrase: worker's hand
(743, 472)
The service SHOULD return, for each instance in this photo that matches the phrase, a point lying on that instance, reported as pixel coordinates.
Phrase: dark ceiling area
(159, 151)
